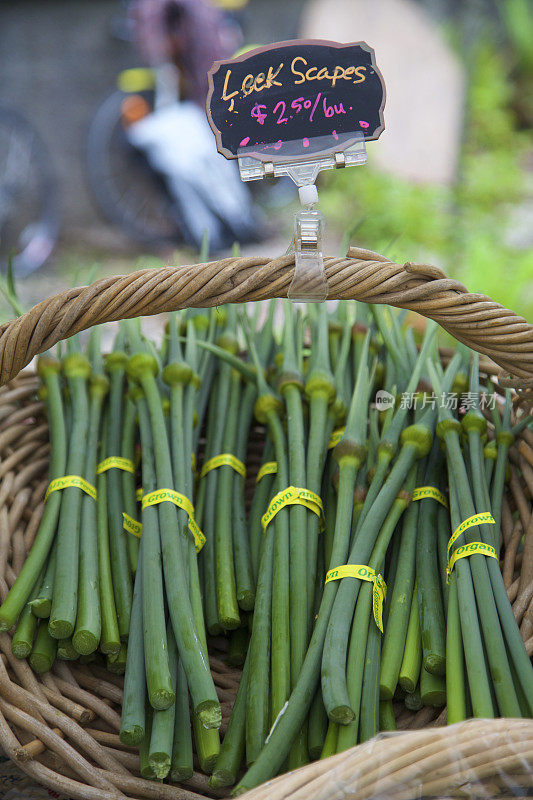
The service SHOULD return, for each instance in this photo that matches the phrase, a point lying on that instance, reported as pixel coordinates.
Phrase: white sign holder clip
(309, 283)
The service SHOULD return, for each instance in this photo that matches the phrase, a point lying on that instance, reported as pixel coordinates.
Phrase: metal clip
(309, 283)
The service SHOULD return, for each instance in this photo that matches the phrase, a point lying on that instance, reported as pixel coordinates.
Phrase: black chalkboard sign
(295, 92)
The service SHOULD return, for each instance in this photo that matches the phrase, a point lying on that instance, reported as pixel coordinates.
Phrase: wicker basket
(62, 728)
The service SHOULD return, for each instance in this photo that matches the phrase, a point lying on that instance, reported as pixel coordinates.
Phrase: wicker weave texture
(474, 319)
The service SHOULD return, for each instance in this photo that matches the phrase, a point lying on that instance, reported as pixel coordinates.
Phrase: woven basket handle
(362, 275)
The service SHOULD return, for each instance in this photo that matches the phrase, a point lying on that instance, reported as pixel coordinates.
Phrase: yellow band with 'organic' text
(364, 573)
(467, 550)
(485, 518)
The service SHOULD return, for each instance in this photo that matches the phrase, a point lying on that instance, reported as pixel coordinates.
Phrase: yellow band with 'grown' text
(467, 550)
(179, 500)
(224, 460)
(291, 496)
(115, 462)
(268, 468)
(485, 518)
(364, 573)
(68, 481)
(429, 493)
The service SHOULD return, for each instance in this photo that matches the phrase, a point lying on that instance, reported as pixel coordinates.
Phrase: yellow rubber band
(335, 438)
(139, 493)
(268, 468)
(199, 538)
(224, 460)
(291, 496)
(485, 518)
(179, 500)
(68, 481)
(364, 573)
(115, 462)
(467, 550)
(193, 462)
(168, 496)
(131, 525)
(429, 493)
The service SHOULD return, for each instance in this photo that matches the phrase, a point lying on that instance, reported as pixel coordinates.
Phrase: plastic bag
(208, 192)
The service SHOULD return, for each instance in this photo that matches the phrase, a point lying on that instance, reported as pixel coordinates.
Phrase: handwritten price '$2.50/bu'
(319, 105)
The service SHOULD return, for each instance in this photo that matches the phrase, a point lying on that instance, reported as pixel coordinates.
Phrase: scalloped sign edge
(276, 46)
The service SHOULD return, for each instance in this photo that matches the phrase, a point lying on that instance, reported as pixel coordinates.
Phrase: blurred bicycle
(29, 203)
(152, 160)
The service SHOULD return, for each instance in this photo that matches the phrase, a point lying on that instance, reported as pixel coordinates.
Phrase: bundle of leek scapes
(353, 574)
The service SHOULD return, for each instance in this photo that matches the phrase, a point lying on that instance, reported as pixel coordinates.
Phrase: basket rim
(473, 319)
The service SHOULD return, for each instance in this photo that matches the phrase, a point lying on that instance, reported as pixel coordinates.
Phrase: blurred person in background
(179, 40)
(190, 34)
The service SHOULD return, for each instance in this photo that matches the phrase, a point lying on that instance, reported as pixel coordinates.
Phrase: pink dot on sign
(305, 142)
(364, 124)
(278, 145)
(245, 141)
(335, 134)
